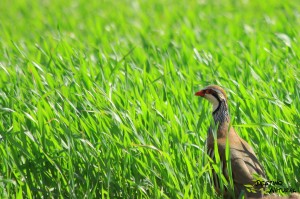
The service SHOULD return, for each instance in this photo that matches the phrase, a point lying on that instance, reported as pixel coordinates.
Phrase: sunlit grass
(97, 98)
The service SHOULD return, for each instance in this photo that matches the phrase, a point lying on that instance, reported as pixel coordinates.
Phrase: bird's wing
(243, 167)
(251, 160)
(240, 169)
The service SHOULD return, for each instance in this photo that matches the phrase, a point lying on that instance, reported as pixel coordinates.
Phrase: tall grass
(97, 98)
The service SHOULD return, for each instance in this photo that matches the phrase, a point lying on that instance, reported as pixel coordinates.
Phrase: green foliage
(97, 98)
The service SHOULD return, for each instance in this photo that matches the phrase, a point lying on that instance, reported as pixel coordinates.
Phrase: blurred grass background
(97, 98)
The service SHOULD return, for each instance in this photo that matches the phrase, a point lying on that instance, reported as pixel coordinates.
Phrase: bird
(244, 162)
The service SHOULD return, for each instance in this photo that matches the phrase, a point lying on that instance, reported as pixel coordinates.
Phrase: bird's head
(214, 94)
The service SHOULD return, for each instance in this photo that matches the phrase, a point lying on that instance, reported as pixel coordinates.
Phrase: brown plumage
(244, 162)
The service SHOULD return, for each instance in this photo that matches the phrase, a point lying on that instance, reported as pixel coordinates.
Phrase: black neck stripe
(217, 97)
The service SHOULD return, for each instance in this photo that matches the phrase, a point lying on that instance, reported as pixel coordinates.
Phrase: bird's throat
(214, 101)
(216, 107)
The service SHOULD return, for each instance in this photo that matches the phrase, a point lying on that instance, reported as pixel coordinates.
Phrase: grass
(97, 98)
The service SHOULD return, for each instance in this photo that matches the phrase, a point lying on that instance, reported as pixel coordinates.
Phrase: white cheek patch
(212, 100)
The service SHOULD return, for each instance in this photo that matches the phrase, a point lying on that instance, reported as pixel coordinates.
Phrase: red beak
(200, 93)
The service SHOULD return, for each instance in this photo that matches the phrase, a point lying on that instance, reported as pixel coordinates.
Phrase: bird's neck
(221, 119)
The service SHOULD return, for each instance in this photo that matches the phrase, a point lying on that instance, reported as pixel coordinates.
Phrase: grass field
(97, 97)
